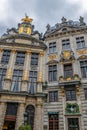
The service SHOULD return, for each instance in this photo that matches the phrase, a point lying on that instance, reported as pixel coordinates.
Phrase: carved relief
(40, 79)
(67, 56)
(81, 52)
(25, 75)
(52, 57)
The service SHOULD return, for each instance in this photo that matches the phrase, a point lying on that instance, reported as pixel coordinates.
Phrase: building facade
(45, 77)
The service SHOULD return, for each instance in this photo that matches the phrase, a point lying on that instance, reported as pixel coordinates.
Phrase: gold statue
(27, 19)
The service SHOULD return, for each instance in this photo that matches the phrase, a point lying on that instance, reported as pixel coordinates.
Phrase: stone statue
(81, 20)
(63, 19)
(48, 27)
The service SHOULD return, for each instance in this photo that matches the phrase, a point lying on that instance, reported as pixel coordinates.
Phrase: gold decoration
(25, 75)
(63, 91)
(14, 51)
(80, 52)
(9, 74)
(77, 90)
(66, 54)
(1, 49)
(40, 79)
(27, 19)
(41, 53)
(28, 52)
(68, 79)
(21, 30)
(52, 57)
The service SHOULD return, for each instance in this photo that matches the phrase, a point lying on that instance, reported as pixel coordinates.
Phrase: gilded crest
(66, 54)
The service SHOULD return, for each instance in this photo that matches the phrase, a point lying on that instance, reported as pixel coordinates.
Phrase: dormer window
(66, 44)
(64, 29)
(52, 47)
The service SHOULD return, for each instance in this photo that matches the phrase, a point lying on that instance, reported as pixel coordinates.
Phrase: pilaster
(20, 115)
(1, 53)
(9, 73)
(25, 79)
(40, 73)
(2, 114)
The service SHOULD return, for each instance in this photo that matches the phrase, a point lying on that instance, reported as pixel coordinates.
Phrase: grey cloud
(43, 12)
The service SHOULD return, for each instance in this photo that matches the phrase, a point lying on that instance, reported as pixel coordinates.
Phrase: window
(20, 58)
(52, 47)
(70, 94)
(80, 42)
(85, 90)
(53, 122)
(16, 80)
(11, 109)
(68, 72)
(34, 59)
(53, 96)
(83, 66)
(32, 82)
(2, 76)
(5, 57)
(65, 44)
(52, 75)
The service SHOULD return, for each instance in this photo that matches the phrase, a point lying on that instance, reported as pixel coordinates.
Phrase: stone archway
(31, 114)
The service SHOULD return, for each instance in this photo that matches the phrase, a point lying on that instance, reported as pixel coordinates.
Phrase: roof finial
(27, 19)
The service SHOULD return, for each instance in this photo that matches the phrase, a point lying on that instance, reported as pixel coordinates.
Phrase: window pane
(52, 73)
(70, 95)
(16, 80)
(52, 47)
(65, 44)
(34, 59)
(80, 42)
(53, 96)
(2, 77)
(20, 58)
(83, 66)
(68, 72)
(32, 82)
(5, 57)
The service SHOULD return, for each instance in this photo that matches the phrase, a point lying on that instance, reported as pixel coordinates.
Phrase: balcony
(69, 80)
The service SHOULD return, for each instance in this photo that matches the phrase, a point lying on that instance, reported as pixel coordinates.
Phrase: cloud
(43, 12)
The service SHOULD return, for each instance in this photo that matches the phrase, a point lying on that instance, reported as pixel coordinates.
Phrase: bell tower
(26, 26)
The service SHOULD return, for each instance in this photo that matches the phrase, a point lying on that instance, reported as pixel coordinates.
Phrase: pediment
(82, 57)
(22, 40)
(52, 62)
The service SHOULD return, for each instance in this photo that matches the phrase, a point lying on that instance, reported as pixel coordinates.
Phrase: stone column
(8, 78)
(38, 125)
(2, 114)
(1, 52)
(40, 73)
(25, 79)
(20, 115)
(64, 105)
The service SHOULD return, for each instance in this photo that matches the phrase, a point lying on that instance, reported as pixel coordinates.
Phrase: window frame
(20, 58)
(2, 77)
(66, 44)
(52, 73)
(80, 42)
(68, 73)
(84, 66)
(70, 96)
(5, 56)
(52, 47)
(53, 96)
(34, 59)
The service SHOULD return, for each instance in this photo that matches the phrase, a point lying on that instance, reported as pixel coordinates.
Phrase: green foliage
(25, 127)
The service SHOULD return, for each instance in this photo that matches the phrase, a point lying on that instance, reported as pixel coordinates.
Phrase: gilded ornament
(25, 75)
(80, 52)
(40, 77)
(9, 74)
(41, 53)
(52, 57)
(63, 91)
(1, 49)
(77, 90)
(66, 54)
(14, 51)
(28, 52)
(27, 19)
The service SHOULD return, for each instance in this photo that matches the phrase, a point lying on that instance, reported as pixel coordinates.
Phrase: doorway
(73, 124)
(9, 125)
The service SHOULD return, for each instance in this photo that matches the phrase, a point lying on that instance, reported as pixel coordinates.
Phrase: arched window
(31, 112)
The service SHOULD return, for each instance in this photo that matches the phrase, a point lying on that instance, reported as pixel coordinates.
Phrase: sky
(42, 12)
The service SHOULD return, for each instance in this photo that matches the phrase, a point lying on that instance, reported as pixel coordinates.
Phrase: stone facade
(56, 98)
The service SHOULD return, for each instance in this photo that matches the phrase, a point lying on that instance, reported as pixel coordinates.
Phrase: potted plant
(76, 76)
(24, 127)
(61, 78)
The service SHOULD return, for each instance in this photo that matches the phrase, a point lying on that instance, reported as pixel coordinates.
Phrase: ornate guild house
(43, 78)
